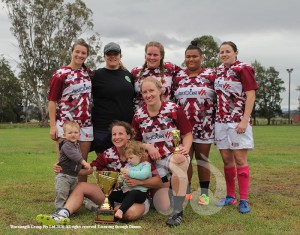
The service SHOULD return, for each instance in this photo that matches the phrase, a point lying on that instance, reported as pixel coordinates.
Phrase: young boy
(71, 162)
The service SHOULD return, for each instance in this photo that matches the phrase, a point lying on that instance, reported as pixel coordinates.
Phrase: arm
(187, 141)
(152, 151)
(72, 152)
(100, 162)
(85, 171)
(143, 173)
(153, 182)
(250, 99)
(52, 117)
(85, 164)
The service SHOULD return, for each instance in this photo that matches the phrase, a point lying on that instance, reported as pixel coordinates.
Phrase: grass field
(27, 189)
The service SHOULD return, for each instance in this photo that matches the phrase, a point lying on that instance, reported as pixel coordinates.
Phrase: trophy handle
(95, 172)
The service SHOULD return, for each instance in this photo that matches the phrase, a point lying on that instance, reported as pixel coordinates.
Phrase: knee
(179, 169)
(133, 213)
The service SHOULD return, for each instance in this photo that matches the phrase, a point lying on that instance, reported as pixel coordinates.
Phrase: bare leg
(85, 148)
(190, 169)
(201, 154)
(227, 157)
(179, 180)
(135, 212)
(83, 189)
(161, 199)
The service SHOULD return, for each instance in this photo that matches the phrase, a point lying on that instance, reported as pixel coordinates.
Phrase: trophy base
(105, 216)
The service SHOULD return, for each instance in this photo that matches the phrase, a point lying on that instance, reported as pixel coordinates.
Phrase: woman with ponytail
(154, 66)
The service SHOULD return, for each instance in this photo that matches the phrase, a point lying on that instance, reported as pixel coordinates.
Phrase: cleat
(203, 200)
(52, 219)
(175, 219)
(188, 197)
(227, 201)
(244, 207)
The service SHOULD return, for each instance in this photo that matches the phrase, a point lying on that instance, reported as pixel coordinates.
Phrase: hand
(183, 150)
(87, 166)
(242, 126)
(57, 169)
(132, 182)
(53, 133)
(124, 171)
(153, 152)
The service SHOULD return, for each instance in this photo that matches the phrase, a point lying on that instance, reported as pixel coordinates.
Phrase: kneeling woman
(112, 159)
(153, 123)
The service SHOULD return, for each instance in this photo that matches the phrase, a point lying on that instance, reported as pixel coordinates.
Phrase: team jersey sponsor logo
(82, 89)
(127, 79)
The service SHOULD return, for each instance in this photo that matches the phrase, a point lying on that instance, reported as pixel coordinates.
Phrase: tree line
(44, 31)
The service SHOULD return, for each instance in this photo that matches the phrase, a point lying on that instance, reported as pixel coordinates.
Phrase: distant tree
(45, 31)
(10, 94)
(210, 51)
(268, 100)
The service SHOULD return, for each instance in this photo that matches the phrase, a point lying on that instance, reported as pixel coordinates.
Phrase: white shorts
(226, 137)
(86, 133)
(162, 167)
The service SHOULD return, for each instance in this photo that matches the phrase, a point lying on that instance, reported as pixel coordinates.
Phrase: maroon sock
(243, 175)
(230, 174)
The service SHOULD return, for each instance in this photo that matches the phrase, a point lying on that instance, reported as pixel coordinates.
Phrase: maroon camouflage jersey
(157, 129)
(71, 89)
(110, 160)
(230, 86)
(170, 70)
(197, 98)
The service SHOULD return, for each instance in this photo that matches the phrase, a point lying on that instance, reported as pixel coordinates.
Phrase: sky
(267, 31)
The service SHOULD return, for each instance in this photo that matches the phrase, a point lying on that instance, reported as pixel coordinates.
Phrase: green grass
(27, 189)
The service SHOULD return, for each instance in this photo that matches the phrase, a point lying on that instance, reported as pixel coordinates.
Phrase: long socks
(178, 203)
(243, 175)
(230, 174)
(204, 185)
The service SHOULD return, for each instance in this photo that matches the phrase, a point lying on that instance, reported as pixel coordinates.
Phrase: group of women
(206, 105)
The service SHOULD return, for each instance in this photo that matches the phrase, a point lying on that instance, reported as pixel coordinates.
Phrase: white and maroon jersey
(71, 89)
(197, 98)
(170, 70)
(157, 129)
(110, 160)
(230, 86)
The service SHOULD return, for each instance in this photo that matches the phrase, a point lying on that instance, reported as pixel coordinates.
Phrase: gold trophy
(176, 140)
(177, 157)
(107, 181)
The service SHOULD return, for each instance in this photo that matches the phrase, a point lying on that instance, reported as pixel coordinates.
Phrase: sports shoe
(188, 197)
(90, 205)
(52, 219)
(175, 219)
(227, 201)
(203, 200)
(244, 207)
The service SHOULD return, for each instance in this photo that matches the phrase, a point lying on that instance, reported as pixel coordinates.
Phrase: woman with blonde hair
(153, 124)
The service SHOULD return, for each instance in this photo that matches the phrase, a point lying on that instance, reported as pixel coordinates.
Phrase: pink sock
(243, 175)
(230, 173)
